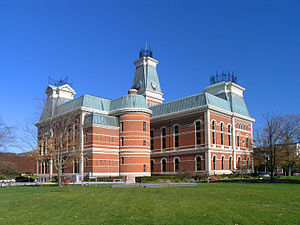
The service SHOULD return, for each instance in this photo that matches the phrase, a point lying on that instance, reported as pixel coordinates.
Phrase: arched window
(151, 140)
(223, 162)
(230, 163)
(42, 168)
(144, 126)
(198, 132)
(86, 161)
(163, 138)
(152, 165)
(176, 164)
(198, 163)
(239, 162)
(238, 140)
(176, 137)
(214, 131)
(222, 134)
(229, 135)
(214, 163)
(163, 165)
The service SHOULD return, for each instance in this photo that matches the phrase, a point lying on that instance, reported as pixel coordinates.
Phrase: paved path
(154, 185)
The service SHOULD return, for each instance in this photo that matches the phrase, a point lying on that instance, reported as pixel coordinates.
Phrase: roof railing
(60, 82)
(223, 77)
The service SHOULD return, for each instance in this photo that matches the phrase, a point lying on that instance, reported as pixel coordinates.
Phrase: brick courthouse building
(139, 135)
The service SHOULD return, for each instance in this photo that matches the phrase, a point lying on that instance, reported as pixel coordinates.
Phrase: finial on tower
(146, 52)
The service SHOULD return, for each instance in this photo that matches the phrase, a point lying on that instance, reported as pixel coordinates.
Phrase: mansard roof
(97, 118)
(232, 103)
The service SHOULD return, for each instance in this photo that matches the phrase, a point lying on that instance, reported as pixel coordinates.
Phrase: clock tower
(146, 80)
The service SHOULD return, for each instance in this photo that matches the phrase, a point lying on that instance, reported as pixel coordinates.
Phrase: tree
(289, 134)
(6, 137)
(267, 140)
(58, 142)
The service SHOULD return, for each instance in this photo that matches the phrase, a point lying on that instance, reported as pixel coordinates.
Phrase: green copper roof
(129, 101)
(97, 118)
(235, 104)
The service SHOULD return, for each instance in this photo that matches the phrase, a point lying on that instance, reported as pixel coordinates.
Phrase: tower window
(144, 126)
(247, 142)
(122, 160)
(122, 141)
(144, 142)
(238, 140)
(144, 167)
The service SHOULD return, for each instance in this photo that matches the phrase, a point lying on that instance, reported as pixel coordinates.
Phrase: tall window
(75, 134)
(247, 142)
(44, 148)
(230, 163)
(238, 140)
(122, 160)
(223, 162)
(164, 165)
(152, 165)
(229, 135)
(198, 161)
(144, 126)
(176, 164)
(222, 134)
(248, 162)
(163, 138)
(239, 162)
(176, 137)
(145, 143)
(214, 163)
(76, 166)
(214, 131)
(144, 167)
(198, 133)
(69, 138)
(46, 167)
(151, 140)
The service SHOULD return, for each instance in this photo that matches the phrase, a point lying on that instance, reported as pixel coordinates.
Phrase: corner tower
(146, 79)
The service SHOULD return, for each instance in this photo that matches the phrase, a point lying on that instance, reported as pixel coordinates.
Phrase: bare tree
(58, 142)
(267, 140)
(7, 137)
(289, 134)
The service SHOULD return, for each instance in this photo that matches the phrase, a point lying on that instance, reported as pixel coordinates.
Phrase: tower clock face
(154, 84)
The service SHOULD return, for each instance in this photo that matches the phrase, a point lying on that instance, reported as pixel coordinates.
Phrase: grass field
(219, 203)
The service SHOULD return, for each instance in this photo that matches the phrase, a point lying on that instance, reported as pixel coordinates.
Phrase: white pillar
(233, 143)
(207, 142)
(81, 161)
(51, 169)
(37, 169)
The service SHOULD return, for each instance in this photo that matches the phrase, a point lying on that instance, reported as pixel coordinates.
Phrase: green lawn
(214, 203)
(290, 177)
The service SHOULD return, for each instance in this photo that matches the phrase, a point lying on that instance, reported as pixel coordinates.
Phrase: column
(81, 161)
(233, 143)
(51, 169)
(207, 142)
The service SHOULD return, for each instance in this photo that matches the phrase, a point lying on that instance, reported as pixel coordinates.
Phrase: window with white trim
(176, 164)
(198, 132)
(163, 165)
(222, 134)
(163, 138)
(214, 163)
(229, 135)
(230, 163)
(176, 136)
(223, 162)
(214, 131)
(198, 163)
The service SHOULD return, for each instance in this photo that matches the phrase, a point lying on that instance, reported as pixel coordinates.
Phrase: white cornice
(118, 112)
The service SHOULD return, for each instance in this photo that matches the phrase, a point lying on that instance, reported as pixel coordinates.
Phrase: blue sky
(96, 42)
